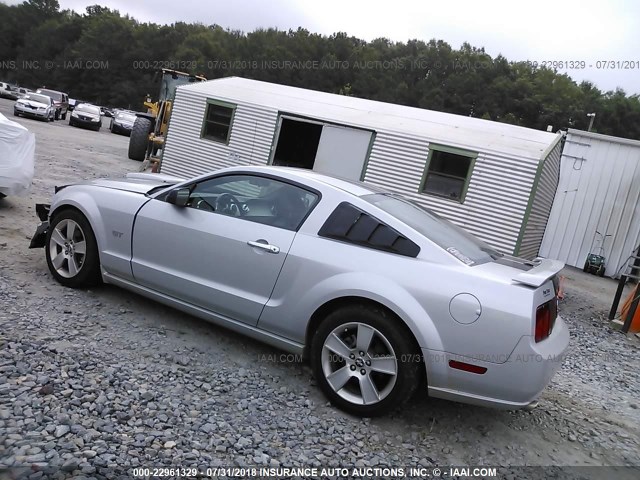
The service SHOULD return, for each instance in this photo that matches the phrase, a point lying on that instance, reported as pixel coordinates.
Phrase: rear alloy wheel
(363, 362)
(72, 251)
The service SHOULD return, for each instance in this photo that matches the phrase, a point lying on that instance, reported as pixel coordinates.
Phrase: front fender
(111, 214)
(85, 203)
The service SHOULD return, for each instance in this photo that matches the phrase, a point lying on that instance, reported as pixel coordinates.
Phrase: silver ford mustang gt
(381, 295)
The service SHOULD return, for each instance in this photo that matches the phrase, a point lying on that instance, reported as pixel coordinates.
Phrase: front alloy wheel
(365, 360)
(71, 250)
(67, 248)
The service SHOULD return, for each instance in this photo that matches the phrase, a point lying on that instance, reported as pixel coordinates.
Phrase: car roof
(39, 95)
(49, 90)
(304, 175)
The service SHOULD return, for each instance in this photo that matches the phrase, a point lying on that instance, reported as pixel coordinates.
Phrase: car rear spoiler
(544, 269)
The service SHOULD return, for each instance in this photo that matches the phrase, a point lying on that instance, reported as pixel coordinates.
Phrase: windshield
(453, 239)
(52, 94)
(88, 109)
(34, 97)
(127, 117)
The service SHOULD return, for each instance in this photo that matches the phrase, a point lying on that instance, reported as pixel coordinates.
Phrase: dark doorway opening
(297, 144)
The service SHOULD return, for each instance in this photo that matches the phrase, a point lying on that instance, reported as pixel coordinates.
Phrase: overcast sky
(545, 30)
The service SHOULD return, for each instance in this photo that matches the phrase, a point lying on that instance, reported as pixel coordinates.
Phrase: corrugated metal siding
(541, 205)
(186, 154)
(600, 193)
(445, 128)
(496, 199)
(498, 192)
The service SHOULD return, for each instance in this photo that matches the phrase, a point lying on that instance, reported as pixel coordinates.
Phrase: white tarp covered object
(17, 157)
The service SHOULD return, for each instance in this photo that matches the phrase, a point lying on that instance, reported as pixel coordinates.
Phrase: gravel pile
(91, 389)
(78, 397)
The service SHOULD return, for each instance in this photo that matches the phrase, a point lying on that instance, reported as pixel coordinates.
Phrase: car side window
(254, 198)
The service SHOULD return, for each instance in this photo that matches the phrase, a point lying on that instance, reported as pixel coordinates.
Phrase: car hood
(135, 182)
(31, 103)
(86, 114)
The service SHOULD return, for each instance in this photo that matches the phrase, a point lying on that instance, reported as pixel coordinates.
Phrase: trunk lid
(532, 273)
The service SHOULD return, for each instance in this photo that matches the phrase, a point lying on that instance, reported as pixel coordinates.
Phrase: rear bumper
(515, 383)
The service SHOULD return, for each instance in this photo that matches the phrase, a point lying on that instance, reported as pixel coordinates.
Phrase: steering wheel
(227, 204)
(201, 204)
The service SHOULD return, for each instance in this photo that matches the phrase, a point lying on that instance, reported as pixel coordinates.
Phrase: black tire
(586, 266)
(57, 115)
(391, 390)
(139, 138)
(64, 116)
(16, 114)
(601, 270)
(86, 271)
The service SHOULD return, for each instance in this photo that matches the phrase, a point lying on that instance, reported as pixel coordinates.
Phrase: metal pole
(616, 298)
(632, 311)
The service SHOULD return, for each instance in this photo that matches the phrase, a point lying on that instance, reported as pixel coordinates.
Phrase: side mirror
(179, 196)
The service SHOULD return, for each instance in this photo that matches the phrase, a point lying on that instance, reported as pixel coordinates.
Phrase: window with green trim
(448, 172)
(217, 122)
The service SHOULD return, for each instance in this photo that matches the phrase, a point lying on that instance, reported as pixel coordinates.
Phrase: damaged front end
(39, 238)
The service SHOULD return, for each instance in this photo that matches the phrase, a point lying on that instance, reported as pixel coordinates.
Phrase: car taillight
(545, 318)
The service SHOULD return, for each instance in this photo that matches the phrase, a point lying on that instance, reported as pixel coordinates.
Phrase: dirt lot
(132, 383)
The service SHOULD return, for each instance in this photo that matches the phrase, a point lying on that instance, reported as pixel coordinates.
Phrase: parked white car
(17, 154)
(5, 90)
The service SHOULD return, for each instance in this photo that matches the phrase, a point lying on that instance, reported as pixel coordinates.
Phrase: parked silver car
(35, 105)
(383, 296)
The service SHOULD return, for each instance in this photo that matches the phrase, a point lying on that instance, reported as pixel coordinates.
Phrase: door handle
(264, 246)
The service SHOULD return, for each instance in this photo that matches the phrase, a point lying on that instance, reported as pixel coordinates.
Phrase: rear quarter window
(347, 223)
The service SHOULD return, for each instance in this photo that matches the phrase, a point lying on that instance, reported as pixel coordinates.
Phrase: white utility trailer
(496, 180)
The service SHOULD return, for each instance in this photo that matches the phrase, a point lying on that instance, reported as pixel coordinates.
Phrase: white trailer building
(496, 180)
(599, 191)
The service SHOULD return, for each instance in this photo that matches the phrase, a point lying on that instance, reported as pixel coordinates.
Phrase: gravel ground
(95, 383)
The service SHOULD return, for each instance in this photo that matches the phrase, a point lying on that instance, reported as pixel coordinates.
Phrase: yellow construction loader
(150, 129)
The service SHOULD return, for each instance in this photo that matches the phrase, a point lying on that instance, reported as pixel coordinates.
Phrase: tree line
(110, 59)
